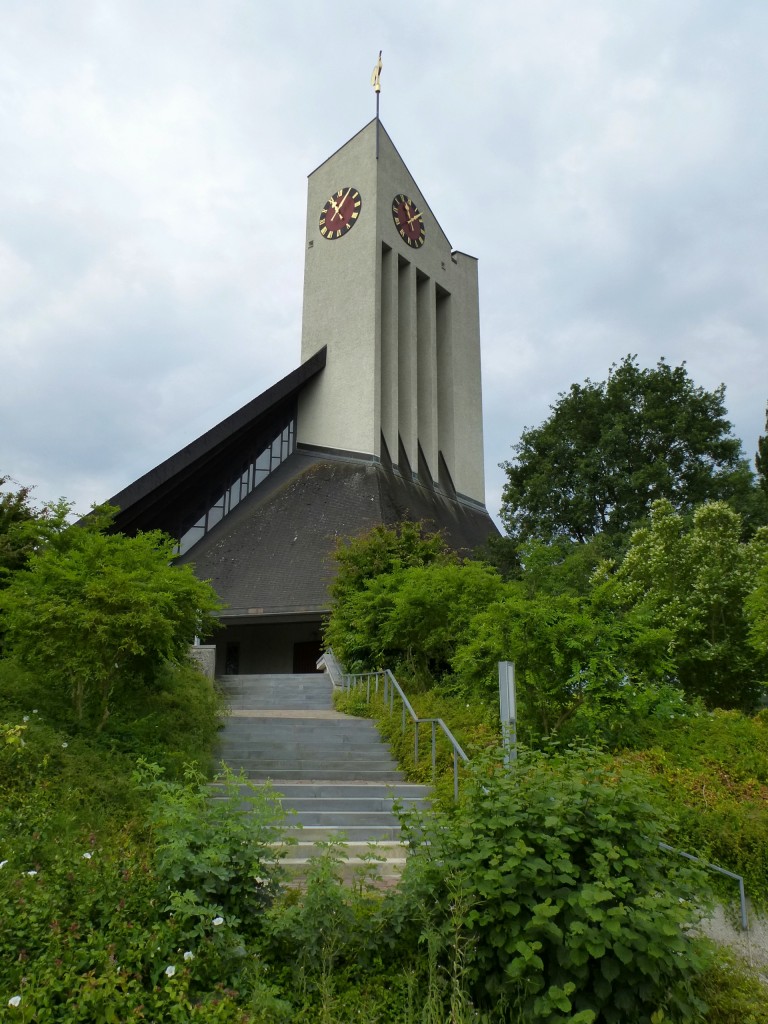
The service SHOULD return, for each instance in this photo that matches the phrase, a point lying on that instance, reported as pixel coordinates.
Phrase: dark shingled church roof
(273, 553)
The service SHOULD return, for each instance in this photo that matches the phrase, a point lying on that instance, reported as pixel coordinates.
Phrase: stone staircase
(332, 770)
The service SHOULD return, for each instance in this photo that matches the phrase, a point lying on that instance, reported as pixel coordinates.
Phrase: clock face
(340, 213)
(408, 221)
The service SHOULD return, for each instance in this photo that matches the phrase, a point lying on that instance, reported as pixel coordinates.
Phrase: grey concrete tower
(398, 311)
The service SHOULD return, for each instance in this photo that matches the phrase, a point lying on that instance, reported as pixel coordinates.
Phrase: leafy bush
(571, 911)
(328, 929)
(216, 856)
(96, 614)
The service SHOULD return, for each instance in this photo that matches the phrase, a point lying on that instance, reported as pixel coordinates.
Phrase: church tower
(380, 423)
(397, 308)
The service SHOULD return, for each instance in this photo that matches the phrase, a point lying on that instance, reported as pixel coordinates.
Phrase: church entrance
(268, 647)
(305, 655)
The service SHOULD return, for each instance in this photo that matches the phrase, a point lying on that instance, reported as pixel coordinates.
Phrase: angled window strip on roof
(179, 491)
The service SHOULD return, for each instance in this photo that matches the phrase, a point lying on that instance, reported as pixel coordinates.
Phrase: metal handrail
(390, 687)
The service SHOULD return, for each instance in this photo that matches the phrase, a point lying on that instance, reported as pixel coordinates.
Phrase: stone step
(275, 684)
(248, 730)
(316, 737)
(316, 764)
(276, 752)
(362, 834)
(291, 720)
(290, 702)
(279, 684)
(326, 729)
(360, 755)
(278, 719)
(360, 859)
(321, 689)
(407, 793)
(346, 804)
(324, 774)
(408, 790)
(346, 819)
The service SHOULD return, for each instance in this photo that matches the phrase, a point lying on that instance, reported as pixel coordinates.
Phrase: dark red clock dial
(408, 221)
(340, 213)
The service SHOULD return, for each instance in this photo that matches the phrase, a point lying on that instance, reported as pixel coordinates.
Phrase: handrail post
(434, 750)
(455, 775)
(416, 742)
(743, 902)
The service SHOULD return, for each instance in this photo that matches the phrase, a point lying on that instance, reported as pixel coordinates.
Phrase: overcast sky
(605, 161)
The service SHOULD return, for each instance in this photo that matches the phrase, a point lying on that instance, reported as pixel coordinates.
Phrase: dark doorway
(232, 659)
(305, 656)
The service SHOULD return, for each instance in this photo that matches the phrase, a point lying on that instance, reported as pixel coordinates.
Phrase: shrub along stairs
(333, 770)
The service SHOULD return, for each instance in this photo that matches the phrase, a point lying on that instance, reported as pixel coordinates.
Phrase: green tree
(612, 448)
(99, 614)
(568, 651)
(24, 528)
(761, 457)
(694, 579)
(757, 612)
(370, 568)
(383, 550)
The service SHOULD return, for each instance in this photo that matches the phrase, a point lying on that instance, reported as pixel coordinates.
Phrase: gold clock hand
(344, 199)
(416, 216)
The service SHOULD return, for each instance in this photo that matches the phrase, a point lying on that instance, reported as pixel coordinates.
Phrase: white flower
(217, 921)
(3, 863)
(14, 1000)
(34, 711)
(87, 855)
(170, 970)
(189, 955)
(25, 718)
(31, 873)
(64, 745)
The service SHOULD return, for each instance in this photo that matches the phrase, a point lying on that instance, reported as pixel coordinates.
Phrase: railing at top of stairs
(385, 680)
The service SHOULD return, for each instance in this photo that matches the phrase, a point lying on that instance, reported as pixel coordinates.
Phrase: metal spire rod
(376, 83)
